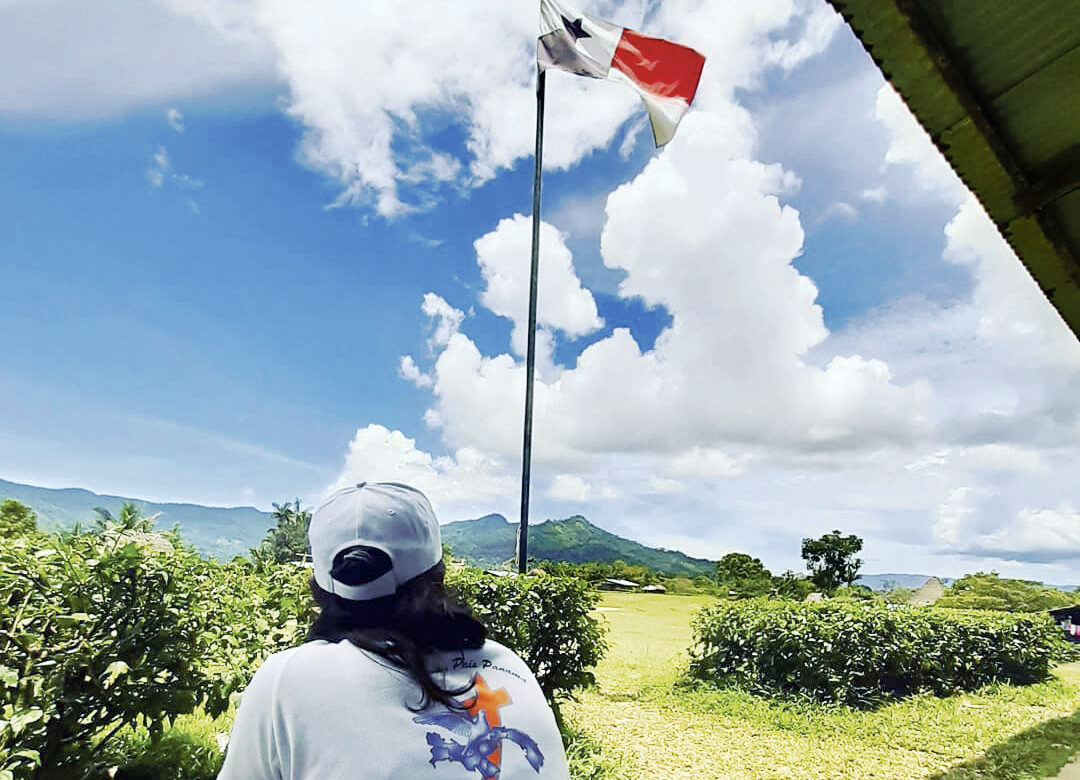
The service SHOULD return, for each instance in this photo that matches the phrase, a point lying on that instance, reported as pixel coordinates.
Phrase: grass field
(647, 724)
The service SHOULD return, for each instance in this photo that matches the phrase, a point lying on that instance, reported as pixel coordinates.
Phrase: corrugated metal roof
(997, 87)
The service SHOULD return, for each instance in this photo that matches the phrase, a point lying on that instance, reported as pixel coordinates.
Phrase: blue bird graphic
(481, 742)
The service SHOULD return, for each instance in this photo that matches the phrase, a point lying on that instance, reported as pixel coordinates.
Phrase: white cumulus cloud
(706, 237)
(445, 319)
(909, 144)
(69, 60)
(569, 487)
(175, 118)
(408, 369)
(466, 484)
(504, 259)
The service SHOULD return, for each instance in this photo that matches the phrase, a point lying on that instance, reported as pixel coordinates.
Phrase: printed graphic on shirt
(480, 725)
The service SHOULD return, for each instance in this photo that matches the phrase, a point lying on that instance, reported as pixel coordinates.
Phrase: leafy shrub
(177, 754)
(989, 591)
(96, 631)
(1067, 651)
(246, 613)
(16, 519)
(130, 628)
(860, 653)
(543, 619)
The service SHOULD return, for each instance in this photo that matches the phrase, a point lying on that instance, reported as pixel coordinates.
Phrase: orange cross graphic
(488, 702)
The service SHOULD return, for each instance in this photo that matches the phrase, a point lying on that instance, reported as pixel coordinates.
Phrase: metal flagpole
(530, 356)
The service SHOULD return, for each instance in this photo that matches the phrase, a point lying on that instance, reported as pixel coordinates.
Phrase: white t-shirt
(325, 710)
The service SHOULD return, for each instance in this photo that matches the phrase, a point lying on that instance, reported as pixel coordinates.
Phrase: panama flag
(665, 74)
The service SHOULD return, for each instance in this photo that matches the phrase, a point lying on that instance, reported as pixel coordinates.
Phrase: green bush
(177, 754)
(544, 619)
(990, 591)
(96, 631)
(861, 653)
(129, 628)
(246, 613)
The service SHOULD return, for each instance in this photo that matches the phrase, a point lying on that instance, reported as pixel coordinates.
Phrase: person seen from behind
(397, 679)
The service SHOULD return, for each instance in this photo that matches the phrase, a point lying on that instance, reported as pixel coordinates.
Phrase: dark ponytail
(422, 617)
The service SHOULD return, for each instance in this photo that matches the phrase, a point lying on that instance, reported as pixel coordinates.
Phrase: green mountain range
(490, 540)
(485, 541)
(215, 531)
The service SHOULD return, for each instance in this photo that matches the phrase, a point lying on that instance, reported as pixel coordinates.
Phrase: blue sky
(252, 250)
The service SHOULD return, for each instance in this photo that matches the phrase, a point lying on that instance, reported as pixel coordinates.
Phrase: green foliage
(595, 572)
(96, 631)
(853, 593)
(899, 596)
(989, 591)
(831, 560)
(177, 754)
(651, 726)
(287, 541)
(247, 612)
(795, 587)
(126, 626)
(861, 653)
(743, 575)
(128, 519)
(102, 632)
(544, 619)
(16, 519)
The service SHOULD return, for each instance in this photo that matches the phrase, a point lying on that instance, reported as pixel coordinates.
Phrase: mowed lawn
(648, 725)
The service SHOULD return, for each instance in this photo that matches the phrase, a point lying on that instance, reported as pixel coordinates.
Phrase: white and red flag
(665, 74)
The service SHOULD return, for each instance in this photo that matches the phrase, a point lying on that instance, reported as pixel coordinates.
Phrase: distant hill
(890, 581)
(913, 581)
(486, 541)
(215, 531)
(226, 532)
(490, 540)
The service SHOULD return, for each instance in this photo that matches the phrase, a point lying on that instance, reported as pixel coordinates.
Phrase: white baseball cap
(391, 517)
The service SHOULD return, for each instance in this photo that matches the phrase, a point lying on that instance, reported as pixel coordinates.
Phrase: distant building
(1069, 620)
(931, 591)
(815, 596)
(613, 584)
(654, 589)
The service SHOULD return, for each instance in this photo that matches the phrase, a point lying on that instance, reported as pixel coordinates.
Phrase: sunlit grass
(656, 724)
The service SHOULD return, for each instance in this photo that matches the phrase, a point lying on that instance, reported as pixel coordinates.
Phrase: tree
(989, 591)
(16, 519)
(899, 595)
(790, 585)
(831, 560)
(744, 575)
(128, 519)
(287, 541)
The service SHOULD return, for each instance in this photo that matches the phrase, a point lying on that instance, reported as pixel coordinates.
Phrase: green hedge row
(544, 619)
(121, 628)
(861, 653)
